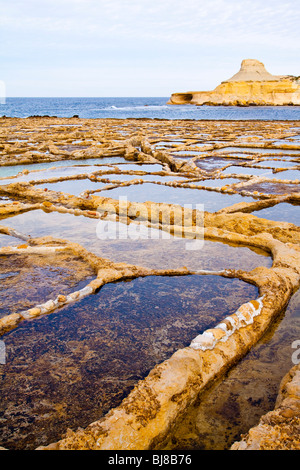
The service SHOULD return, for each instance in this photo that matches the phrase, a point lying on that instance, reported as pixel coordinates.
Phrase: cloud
(166, 36)
(178, 21)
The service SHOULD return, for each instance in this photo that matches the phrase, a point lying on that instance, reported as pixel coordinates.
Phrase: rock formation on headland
(252, 85)
(278, 429)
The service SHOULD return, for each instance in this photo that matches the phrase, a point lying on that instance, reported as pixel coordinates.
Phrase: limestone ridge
(251, 85)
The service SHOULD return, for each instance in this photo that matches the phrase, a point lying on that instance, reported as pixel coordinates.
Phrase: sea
(140, 107)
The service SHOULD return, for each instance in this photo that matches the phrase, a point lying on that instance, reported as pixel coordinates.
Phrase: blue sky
(141, 47)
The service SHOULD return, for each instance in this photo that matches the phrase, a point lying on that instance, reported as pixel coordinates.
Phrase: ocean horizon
(138, 107)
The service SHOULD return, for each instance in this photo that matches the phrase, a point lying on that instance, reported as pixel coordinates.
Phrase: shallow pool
(282, 212)
(15, 169)
(133, 244)
(232, 406)
(213, 201)
(67, 369)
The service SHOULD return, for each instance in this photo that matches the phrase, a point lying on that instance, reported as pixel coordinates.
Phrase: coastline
(143, 107)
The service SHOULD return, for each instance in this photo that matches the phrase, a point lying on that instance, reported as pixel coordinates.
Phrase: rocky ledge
(251, 86)
(278, 429)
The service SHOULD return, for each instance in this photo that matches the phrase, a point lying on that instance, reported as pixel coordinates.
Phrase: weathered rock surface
(279, 429)
(252, 85)
(147, 414)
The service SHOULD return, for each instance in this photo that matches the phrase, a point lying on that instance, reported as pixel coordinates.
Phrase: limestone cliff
(252, 85)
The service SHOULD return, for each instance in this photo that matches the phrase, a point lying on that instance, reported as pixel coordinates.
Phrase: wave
(132, 108)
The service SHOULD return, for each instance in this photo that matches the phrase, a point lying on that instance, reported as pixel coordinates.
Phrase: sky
(105, 48)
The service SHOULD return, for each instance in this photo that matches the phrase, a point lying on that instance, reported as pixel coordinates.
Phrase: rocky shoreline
(146, 415)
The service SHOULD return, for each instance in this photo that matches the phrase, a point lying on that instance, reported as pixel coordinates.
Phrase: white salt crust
(242, 317)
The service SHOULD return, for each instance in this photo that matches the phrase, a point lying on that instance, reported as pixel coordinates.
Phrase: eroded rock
(252, 85)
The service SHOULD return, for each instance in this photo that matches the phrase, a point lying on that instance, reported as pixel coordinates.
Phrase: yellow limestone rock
(278, 429)
(9, 322)
(252, 85)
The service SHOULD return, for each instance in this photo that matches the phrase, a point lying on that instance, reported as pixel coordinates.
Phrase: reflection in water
(213, 163)
(70, 367)
(15, 169)
(277, 163)
(273, 188)
(59, 172)
(218, 182)
(213, 201)
(282, 212)
(153, 253)
(74, 187)
(258, 150)
(291, 175)
(242, 170)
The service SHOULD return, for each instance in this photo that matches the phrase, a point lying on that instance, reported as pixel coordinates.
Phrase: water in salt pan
(60, 172)
(257, 150)
(218, 182)
(15, 169)
(273, 187)
(213, 201)
(242, 170)
(277, 163)
(31, 280)
(161, 251)
(140, 167)
(185, 153)
(288, 175)
(282, 212)
(234, 405)
(74, 187)
(213, 163)
(68, 368)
